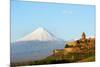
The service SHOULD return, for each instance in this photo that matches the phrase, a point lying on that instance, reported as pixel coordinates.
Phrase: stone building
(82, 42)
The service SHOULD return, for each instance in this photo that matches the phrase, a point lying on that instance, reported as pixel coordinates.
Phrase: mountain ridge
(40, 34)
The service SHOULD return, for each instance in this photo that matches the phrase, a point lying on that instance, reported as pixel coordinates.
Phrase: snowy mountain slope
(40, 34)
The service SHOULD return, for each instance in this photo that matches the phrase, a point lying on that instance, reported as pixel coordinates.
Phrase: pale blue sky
(66, 21)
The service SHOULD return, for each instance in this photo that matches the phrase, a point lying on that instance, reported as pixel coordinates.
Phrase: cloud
(67, 12)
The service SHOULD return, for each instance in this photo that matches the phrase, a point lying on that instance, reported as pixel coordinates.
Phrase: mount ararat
(35, 46)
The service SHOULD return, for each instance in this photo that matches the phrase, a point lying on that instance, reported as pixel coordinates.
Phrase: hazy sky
(66, 21)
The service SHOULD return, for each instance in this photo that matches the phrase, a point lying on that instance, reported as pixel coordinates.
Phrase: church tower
(83, 40)
(83, 37)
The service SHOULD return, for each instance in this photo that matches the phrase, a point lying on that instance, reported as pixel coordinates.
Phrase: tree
(66, 46)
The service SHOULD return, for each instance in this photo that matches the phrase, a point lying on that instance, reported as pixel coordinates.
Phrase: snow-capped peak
(40, 34)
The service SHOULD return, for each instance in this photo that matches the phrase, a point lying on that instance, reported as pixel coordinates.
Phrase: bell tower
(83, 36)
